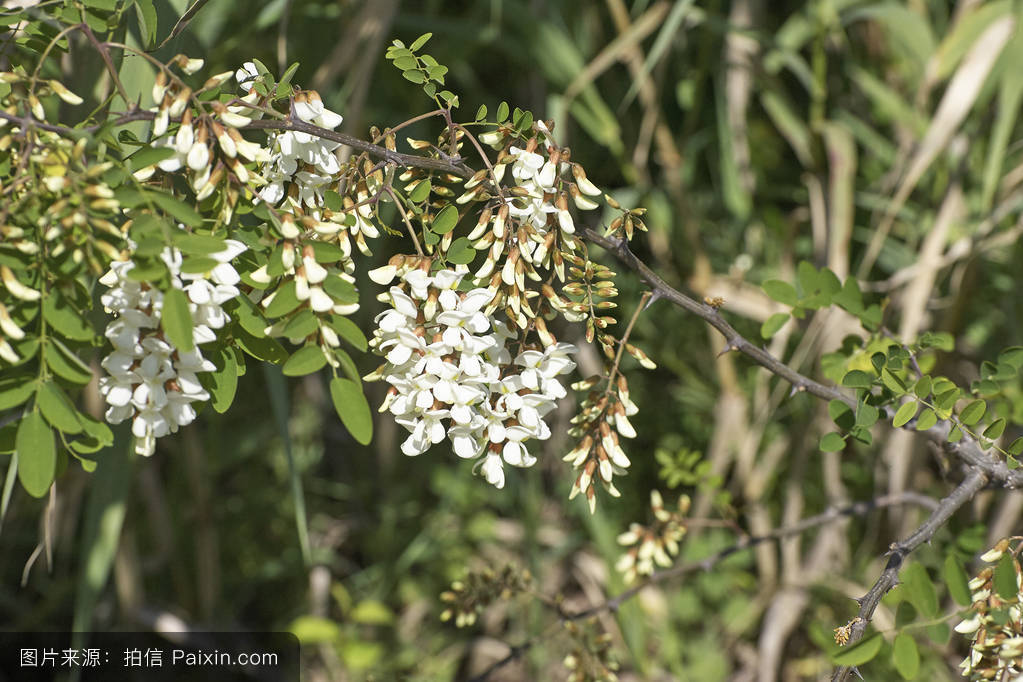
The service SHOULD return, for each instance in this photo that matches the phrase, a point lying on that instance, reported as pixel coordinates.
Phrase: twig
(967, 449)
(107, 61)
(975, 480)
(640, 307)
(614, 603)
(827, 516)
(183, 21)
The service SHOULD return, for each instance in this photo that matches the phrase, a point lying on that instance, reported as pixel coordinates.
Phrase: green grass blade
(279, 402)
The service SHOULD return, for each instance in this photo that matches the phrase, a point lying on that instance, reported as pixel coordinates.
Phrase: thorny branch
(829, 515)
(975, 481)
(967, 449)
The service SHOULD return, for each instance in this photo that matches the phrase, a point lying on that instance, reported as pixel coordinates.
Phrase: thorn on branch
(729, 347)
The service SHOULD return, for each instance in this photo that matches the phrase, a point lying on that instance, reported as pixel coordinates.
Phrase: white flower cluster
(995, 623)
(656, 544)
(305, 161)
(452, 374)
(195, 143)
(148, 378)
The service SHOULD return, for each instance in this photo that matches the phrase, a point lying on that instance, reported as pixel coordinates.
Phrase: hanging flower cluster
(453, 375)
(995, 622)
(302, 162)
(656, 544)
(150, 380)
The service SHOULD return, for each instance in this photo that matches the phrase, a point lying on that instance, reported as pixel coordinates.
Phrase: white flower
(452, 374)
(246, 75)
(148, 379)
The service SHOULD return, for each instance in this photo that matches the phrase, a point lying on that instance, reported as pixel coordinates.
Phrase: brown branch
(827, 516)
(967, 449)
(104, 53)
(398, 158)
(975, 480)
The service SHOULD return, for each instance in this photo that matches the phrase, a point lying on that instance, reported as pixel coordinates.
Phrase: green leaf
(893, 382)
(57, 408)
(347, 365)
(177, 320)
(404, 63)
(65, 364)
(332, 200)
(420, 41)
(261, 348)
(955, 434)
(849, 297)
(995, 429)
(37, 455)
(1016, 447)
(841, 414)
(372, 612)
(284, 300)
(926, 420)
(315, 630)
(305, 360)
(923, 387)
(352, 408)
(957, 581)
(14, 390)
(249, 317)
(64, 319)
(807, 276)
(857, 378)
(905, 656)
(866, 415)
(461, 252)
(301, 325)
(199, 244)
(349, 331)
(341, 290)
(973, 412)
(421, 191)
(832, 442)
(502, 112)
(904, 414)
(445, 220)
(326, 252)
(146, 13)
(1013, 355)
(1004, 579)
(878, 360)
(286, 78)
(481, 113)
(946, 401)
(147, 156)
(939, 633)
(178, 209)
(780, 291)
(198, 264)
(861, 652)
(415, 76)
(772, 324)
(920, 589)
(224, 380)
